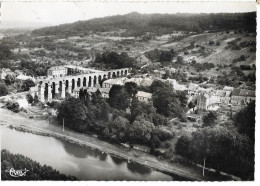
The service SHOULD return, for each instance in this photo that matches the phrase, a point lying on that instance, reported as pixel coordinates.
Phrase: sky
(38, 14)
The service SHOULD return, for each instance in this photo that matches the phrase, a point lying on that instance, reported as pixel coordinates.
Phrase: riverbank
(41, 127)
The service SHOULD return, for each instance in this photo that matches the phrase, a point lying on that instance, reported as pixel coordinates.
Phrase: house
(242, 96)
(176, 85)
(140, 81)
(110, 82)
(144, 96)
(22, 77)
(205, 100)
(223, 96)
(104, 91)
(4, 72)
(227, 88)
(57, 71)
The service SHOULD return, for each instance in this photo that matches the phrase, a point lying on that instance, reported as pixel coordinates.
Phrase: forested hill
(137, 24)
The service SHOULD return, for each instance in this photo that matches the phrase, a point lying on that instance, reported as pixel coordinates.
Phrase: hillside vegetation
(137, 24)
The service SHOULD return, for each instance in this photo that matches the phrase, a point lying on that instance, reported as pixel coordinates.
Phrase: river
(72, 159)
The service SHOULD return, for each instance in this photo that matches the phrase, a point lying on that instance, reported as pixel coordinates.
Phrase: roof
(204, 95)
(57, 68)
(23, 77)
(228, 88)
(140, 81)
(5, 70)
(193, 86)
(236, 92)
(81, 68)
(245, 92)
(221, 93)
(114, 82)
(144, 94)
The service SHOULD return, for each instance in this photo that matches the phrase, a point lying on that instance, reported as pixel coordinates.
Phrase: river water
(72, 159)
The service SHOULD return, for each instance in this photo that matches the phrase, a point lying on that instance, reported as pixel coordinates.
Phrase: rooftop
(58, 68)
(144, 94)
(81, 68)
(114, 81)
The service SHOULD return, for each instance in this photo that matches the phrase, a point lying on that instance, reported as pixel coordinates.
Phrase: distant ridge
(137, 24)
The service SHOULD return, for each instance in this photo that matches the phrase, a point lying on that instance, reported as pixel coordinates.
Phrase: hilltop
(137, 24)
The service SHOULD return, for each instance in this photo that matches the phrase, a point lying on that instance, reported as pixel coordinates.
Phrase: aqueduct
(57, 87)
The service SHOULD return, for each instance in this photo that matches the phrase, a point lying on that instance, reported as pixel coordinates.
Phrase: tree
(3, 89)
(209, 119)
(13, 106)
(191, 105)
(119, 127)
(27, 84)
(244, 120)
(131, 88)
(29, 98)
(118, 97)
(180, 60)
(182, 146)
(140, 130)
(167, 103)
(224, 150)
(9, 79)
(73, 111)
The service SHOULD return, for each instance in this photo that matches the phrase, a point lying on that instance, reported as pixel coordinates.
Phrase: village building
(104, 91)
(23, 77)
(57, 72)
(205, 101)
(242, 96)
(4, 72)
(223, 96)
(227, 88)
(144, 96)
(110, 82)
(74, 69)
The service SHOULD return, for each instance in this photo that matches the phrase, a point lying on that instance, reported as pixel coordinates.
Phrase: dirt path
(42, 127)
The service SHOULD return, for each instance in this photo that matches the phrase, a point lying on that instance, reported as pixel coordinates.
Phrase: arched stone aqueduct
(57, 87)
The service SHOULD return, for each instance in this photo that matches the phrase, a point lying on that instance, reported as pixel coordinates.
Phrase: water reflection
(138, 168)
(72, 159)
(78, 151)
(117, 160)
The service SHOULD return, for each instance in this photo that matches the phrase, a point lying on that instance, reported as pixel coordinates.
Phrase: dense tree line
(114, 61)
(168, 102)
(225, 149)
(160, 55)
(112, 121)
(36, 171)
(137, 24)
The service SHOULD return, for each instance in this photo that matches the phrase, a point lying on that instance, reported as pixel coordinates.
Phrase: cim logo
(17, 173)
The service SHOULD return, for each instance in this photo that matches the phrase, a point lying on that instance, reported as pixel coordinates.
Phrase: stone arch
(89, 81)
(60, 86)
(66, 85)
(84, 82)
(46, 91)
(95, 81)
(117, 74)
(109, 75)
(114, 75)
(99, 79)
(125, 72)
(53, 90)
(73, 84)
(79, 82)
(122, 73)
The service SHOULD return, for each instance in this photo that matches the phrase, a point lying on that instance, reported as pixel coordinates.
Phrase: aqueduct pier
(57, 87)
